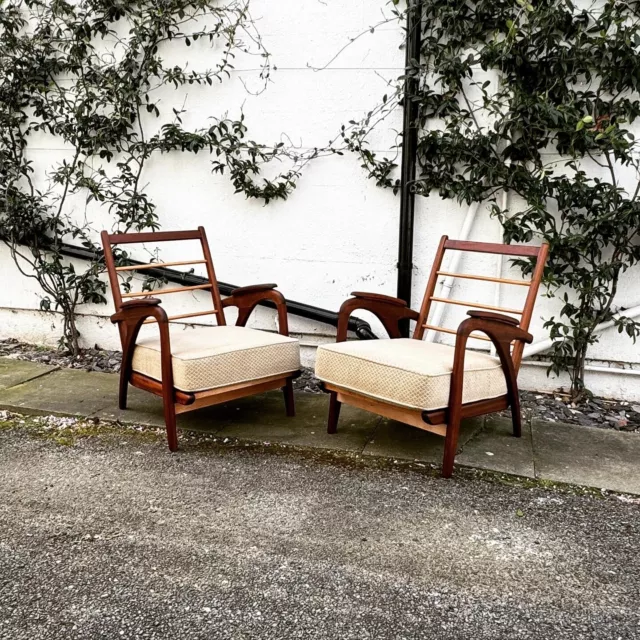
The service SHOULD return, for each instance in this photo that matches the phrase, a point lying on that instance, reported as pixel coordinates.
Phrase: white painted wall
(338, 231)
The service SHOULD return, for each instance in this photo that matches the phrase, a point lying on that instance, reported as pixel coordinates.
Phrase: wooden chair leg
(450, 447)
(170, 422)
(124, 388)
(516, 415)
(334, 412)
(289, 401)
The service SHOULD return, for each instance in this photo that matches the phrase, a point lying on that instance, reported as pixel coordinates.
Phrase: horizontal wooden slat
(183, 315)
(476, 305)
(160, 292)
(491, 247)
(156, 265)
(469, 276)
(155, 236)
(452, 332)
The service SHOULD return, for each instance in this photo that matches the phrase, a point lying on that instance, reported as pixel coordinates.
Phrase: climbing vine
(538, 99)
(86, 77)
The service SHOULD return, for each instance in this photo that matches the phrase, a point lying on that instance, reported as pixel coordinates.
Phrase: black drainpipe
(409, 152)
(361, 328)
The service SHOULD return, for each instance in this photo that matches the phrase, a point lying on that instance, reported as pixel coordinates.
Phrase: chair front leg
(502, 330)
(130, 318)
(450, 447)
(455, 405)
(168, 391)
(169, 411)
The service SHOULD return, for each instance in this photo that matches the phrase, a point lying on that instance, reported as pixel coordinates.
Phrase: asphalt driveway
(117, 538)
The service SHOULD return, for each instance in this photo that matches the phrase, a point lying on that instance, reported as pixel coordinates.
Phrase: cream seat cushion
(209, 357)
(406, 372)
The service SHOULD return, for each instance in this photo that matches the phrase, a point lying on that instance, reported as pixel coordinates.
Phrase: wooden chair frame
(138, 308)
(507, 334)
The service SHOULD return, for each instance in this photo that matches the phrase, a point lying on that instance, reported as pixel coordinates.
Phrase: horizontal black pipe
(361, 328)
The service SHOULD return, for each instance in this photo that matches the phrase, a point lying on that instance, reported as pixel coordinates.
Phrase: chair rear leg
(516, 415)
(170, 422)
(289, 401)
(513, 393)
(123, 389)
(450, 448)
(334, 412)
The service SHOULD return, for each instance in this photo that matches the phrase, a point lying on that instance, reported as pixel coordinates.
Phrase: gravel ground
(89, 359)
(596, 412)
(113, 537)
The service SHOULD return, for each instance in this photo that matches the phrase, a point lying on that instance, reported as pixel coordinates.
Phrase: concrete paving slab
(64, 392)
(600, 458)
(494, 448)
(559, 452)
(263, 418)
(142, 408)
(398, 440)
(13, 372)
(260, 417)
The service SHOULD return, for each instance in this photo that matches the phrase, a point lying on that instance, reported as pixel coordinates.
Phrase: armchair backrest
(524, 314)
(113, 239)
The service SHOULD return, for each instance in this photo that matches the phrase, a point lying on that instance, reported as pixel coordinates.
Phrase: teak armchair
(195, 368)
(429, 385)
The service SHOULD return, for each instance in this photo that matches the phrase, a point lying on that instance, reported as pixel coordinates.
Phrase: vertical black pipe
(409, 152)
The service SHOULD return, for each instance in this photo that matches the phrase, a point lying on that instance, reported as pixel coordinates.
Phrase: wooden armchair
(429, 385)
(203, 366)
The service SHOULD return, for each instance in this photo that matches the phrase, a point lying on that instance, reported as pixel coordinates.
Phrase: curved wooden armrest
(130, 318)
(387, 309)
(248, 298)
(364, 295)
(489, 315)
(253, 288)
(133, 310)
(142, 302)
(498, 327)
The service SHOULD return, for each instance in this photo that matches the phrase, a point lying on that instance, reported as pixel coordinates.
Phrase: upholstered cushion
(209, 357)
(407, 372)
